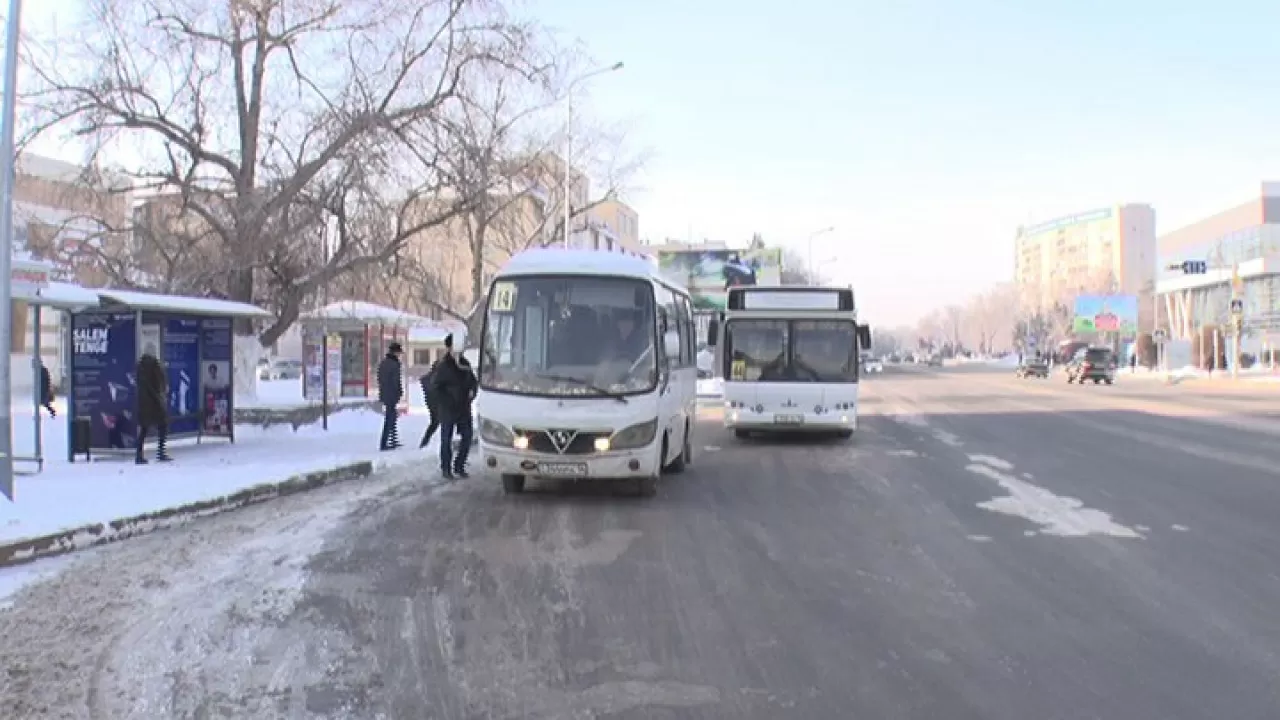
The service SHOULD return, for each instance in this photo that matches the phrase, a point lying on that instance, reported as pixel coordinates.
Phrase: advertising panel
(182, 364)
(215, 376)
(1106, 314)
(104, 352)
(312, 364)
(709, 273)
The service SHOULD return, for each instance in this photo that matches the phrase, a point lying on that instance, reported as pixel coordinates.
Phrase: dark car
(1033, 367)
(1096, 364)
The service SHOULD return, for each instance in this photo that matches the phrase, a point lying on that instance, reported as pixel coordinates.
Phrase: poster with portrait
(215, 376)
(181, 343)
(104, 351)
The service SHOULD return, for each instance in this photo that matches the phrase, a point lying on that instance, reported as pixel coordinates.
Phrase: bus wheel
(741, 434)
(647, 486)
(512, 484)
(685, 457)
(845, 434)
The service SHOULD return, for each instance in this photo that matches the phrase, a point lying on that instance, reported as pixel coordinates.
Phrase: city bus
(587, 363)
(790, 356)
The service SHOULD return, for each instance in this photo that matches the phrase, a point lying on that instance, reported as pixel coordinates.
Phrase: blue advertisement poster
(215, 376)
(182, 361)
(104, 350)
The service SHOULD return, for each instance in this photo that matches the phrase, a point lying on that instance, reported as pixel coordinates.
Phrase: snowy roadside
(123, 631)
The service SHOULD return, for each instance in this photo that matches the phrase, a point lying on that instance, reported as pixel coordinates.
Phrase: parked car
(281, 370)
(1096, 363)
(1033, 367)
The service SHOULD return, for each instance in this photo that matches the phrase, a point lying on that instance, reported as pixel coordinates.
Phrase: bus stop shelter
(192, 337)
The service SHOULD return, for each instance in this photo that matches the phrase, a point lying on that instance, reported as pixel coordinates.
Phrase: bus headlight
(496, 433)
(636, 436)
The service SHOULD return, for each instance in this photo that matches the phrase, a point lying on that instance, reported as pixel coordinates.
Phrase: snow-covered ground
(288, 394)
(68, 495)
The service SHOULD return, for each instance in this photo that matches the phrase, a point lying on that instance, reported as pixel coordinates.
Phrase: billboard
(709, 273)
(1106, 313)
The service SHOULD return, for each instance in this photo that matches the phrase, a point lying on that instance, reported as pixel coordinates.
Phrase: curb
(19, 552)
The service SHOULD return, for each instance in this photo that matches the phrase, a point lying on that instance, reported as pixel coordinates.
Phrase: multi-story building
(1110, 250)
(1241, 246)
(70, 217)
(439, 270)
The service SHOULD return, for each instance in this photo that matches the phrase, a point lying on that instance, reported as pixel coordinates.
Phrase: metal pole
(38, 387)
(568, 163)
(7, 171)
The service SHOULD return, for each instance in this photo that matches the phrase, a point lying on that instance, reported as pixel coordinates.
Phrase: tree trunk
(246, 348)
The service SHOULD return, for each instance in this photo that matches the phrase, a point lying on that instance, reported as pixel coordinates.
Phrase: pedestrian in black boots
(153, 404)
(390, 392)
(432, 411)
(453, 386)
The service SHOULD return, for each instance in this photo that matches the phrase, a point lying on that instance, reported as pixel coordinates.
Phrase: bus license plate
(563, 469)
(788, 419)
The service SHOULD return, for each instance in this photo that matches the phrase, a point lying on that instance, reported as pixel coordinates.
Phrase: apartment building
(1107, 250)
(438, 271)
(69, 217)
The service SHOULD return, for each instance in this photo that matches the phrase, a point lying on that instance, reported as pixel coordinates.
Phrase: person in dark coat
(432, 410)
(454, 387)
(390, 392)
(153, 406)
(46, 391)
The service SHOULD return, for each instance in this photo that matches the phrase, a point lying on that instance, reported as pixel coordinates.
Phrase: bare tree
(286, 128)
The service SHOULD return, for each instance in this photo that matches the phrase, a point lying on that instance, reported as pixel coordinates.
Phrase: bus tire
(512, 484)
(844, 434)
(647, 486)
(685, 457)
(741, 434)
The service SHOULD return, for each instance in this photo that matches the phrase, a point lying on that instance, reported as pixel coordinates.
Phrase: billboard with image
(709, 273)
(1106, 314)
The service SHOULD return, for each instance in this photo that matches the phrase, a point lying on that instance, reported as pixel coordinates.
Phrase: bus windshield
(569, 336)
(757, 350)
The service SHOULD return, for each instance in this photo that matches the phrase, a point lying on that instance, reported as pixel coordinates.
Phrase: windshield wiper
(584, 383)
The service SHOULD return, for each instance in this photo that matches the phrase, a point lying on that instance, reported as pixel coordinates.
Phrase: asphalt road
(985, 548)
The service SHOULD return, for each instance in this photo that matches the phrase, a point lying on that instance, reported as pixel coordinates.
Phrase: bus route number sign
(504, 297)
(738, 371)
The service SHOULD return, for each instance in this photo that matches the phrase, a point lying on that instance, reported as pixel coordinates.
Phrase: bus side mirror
(864, 336)
(713, 331)
(671, 344)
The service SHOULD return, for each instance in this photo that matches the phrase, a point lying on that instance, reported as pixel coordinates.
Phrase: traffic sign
(1237, 307)
(1195, 267)
(1159, 336)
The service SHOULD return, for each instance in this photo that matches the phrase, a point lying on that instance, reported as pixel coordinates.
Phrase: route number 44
(504, 297)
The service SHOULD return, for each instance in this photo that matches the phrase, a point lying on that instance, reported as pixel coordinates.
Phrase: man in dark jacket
(390, 391)
(454, 387)
(153, 406)
(429, 397)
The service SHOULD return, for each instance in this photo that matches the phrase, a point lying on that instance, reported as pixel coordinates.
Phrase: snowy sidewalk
(67, 496)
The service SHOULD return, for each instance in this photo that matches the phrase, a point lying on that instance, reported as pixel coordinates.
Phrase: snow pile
(1007, 361)
(280, 394)
(70, 495)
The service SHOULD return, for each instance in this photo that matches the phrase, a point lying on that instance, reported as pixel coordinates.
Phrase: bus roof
(558, 261)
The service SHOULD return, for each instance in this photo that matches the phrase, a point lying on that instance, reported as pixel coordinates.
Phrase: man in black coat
(390, 392)
(153, 405)
(453, 386)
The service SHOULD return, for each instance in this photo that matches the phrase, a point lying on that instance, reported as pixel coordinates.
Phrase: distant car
(933, 361)
(1033, 367)
(1096, 363)
(282, 370)
(872, 366)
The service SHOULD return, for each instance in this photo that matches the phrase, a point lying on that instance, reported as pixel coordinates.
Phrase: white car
(872, 366)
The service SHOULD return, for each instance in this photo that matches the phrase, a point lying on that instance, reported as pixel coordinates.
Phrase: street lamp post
(809, 260)
(8, 169)
(568, 139)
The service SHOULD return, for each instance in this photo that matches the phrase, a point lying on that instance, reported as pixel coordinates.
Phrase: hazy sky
(926, 131)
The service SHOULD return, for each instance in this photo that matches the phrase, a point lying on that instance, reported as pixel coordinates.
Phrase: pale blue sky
(927, 130)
